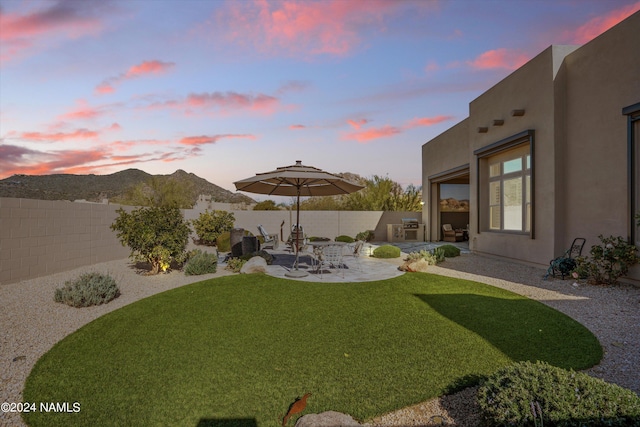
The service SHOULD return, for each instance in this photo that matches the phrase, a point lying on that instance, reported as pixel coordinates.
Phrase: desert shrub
(157, 235)
(88, 289)
(386, 251)
(264, 254)
(318, 239)
(223, 242)
(439, 254)
(345, 239)
(201, 263)
(608, 261)
(365, 236)
(560, 397)
(235, 264)
(450, 251)
(211, 224)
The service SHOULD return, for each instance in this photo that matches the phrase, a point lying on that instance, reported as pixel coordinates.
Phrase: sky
(226, 89)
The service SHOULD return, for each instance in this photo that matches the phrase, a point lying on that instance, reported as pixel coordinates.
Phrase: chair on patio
(451, 235)
(269, 239)
(563, 264)
(301, 241)
(331, 257)
(354, 250)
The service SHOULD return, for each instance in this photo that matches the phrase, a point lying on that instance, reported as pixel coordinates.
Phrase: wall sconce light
(483, 129)
(517, 113)
(498, 122)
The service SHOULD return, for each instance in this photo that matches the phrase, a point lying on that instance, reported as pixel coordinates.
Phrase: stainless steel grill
(410, 223)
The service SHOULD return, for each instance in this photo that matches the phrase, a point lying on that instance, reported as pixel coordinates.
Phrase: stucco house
(550, 153)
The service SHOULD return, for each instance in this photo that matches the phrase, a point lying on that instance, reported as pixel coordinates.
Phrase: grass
(238, 350)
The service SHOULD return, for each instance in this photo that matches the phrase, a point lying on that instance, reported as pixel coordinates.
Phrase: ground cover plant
(245, 346)
(88, 289)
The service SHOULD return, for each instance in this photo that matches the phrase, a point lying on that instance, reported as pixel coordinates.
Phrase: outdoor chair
(451, 235)
(269, 239)
(564, 264)
(331, 257)
(301, 242)
(354, 250)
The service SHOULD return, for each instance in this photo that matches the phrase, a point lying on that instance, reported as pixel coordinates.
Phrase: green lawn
(238, 350)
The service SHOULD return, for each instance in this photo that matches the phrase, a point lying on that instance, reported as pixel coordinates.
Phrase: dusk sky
(225, 89)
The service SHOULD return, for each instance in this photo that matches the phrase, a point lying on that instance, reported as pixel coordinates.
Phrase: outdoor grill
(410, 223)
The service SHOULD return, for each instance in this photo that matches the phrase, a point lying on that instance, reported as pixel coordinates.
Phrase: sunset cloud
(145, 68)
(83, 111)
(59, 20)
(428, 121)
(330, 27)
(600, 24)
(357, 124)
(296, 127)
(365, 136)
(59, 136)
(508, 59)
(204, 139)
(220, 102)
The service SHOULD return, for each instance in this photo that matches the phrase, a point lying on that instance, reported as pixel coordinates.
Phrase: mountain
(95, 188)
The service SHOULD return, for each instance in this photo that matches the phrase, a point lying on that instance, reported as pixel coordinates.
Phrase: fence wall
(41, 237)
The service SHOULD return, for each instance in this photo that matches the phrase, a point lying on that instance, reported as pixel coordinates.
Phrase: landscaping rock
(327, 419)
(254, 265)
(420, 266)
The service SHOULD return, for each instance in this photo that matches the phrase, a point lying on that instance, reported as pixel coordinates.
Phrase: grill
(410, 223)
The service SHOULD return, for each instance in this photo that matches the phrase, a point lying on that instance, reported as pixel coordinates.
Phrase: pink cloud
(499, 58)
(428, 121)
(371, 134)
(59, 20)
(140, 70)
(296, 127)
(204, 139)
(82, 112)
(59, 136)
(332, 27)
(221, 102)
(20, 160)
(356, 124)
(600, 24)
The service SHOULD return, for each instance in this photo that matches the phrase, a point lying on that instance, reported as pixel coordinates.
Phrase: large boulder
(256, 264)
(327, 419)
(421, 265)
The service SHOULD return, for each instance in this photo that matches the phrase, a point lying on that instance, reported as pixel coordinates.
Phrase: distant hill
(95, 188)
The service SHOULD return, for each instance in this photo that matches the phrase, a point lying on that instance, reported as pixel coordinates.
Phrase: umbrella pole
(296, 272)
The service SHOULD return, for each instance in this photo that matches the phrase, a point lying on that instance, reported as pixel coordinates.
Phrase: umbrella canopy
(297, 180)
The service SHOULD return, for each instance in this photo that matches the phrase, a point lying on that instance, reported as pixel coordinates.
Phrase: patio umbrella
(297, 180)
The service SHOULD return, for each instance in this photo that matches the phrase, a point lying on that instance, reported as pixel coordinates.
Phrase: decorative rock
(256, 264)
(327, 419)
(420, 266)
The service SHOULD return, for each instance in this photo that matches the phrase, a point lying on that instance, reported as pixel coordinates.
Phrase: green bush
(223, 242)
(264, 254)
(210, 225)
(88, 289)
(235, 264)
(386, 251)
(201, 263)
(157, 235)
(609, 261)
(345, 239)
(565, 398)
(450, 251)
(439, 254)
(365, 236)
(318, 239)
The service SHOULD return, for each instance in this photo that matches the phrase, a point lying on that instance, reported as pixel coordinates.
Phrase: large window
(633, 134)
(505, 185)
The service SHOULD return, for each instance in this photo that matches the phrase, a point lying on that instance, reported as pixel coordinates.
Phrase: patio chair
(269, 239)
(354, 250)
(332, 257)
(564, 264)
(291, 241)
(451, 235)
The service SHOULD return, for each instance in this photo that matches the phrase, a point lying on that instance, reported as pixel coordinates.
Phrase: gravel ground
(31, 323)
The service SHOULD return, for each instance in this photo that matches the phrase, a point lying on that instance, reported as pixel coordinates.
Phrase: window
(505, 190)
(633, 146)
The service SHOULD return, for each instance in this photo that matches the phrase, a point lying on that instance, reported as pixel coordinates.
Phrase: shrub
(157, 235)
(88, 289)
(386, 251)
(450, 251)
(609, 261)
(318, 239)
(365, 236)
(565, 398)
(201, 263)
(223, 242)
(345, 239)
(210, 225)
(235, 264)
(439, 254)
(264, 254)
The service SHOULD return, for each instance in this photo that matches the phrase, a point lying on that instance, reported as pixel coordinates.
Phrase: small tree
(157, 235)
(266, 205)
(210, 225)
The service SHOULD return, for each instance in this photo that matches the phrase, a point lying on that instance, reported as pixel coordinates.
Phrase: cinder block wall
(40, 237)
